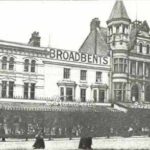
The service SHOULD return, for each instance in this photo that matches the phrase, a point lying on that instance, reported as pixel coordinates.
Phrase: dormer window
(147, 49)
(140, 47)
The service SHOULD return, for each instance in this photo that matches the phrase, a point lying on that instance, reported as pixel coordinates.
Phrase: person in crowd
(39, 142)
(86, 139)
(2, 133)
(130, 131)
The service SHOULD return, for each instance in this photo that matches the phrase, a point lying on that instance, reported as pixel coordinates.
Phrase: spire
(118, 12)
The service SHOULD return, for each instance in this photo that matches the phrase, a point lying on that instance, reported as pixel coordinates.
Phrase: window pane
(140, 47)
(83, 75)
(33, 66)
(66, 73)
(32, 94)
(147, 49)
(140, 68)
(26, 65)
(98, 76)
(11, 63)
(4, 63)
(133, 68)
(11, 89)
(4, 88)
(26, 88)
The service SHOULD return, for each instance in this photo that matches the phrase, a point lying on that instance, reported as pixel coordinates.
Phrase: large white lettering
(78, 57)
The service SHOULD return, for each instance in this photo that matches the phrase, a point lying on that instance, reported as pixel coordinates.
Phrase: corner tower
(117, 39)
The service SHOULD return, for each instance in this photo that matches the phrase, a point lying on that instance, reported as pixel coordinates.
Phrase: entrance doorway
(69, 96)
(101, 96)
(135, 93)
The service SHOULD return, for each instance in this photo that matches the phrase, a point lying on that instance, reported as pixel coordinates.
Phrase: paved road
(65, 144)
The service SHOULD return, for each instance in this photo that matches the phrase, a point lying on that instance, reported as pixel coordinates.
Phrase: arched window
(4, 63)
(33, 65)
(140, 47)
(11, 63)
(147, 49)
(26, 65)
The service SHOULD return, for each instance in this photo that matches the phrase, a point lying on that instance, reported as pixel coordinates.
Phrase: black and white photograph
(75, 74)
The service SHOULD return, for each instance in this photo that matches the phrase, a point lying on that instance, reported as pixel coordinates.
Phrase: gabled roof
(119, 11)
(96, 41)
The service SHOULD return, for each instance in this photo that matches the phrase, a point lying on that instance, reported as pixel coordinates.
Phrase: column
(142, 93)
(64, 93)
(128, 92)
(29, 90)
(143, 70)
(137, 68)
(129, 68)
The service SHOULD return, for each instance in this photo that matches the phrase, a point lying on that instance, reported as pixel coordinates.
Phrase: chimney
(35, 39)
(95, 23)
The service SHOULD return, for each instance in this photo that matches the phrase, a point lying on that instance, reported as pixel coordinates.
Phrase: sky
(61, 24)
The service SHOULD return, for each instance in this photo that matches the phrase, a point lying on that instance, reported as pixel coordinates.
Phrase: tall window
(4, 63)
(147, 69)
(140, 68)
(33, 66)
(4, 89)
(11, 89)
(26, 65)
(11, 63)
(98, 76)
(83, 74)
(120, 65)
(147, 49)
(83, 95)
(119, 91)
(133, 67)
(32, 93)
(29, 87)
(140, 47)
(66, 73)
(62, 93)
(26, 89)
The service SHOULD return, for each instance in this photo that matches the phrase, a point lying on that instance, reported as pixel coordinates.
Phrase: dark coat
(39, 143)
(86, 139)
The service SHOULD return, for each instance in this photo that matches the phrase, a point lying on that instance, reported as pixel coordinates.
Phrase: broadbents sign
(78, 57)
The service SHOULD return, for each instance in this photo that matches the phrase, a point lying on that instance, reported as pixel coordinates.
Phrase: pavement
(102, 143)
